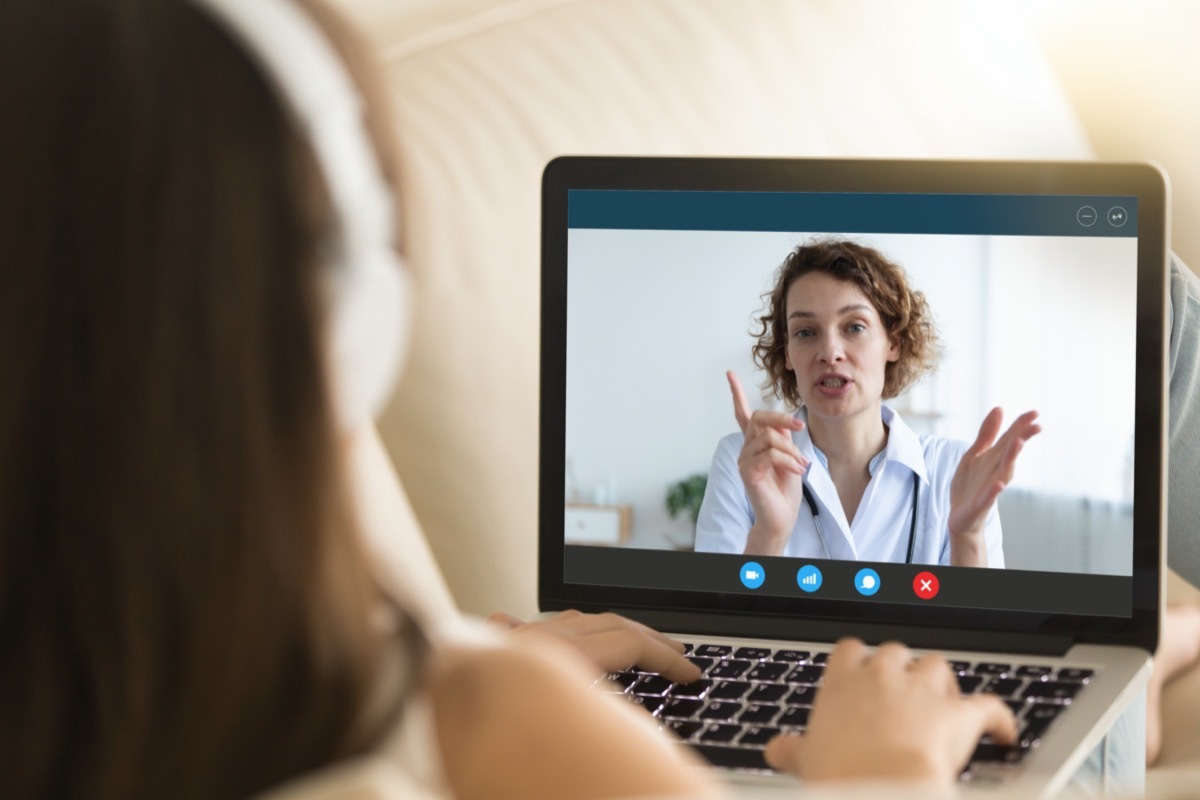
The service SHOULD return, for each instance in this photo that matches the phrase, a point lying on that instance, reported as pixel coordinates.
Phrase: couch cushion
(403, 562)
(487, 92)
(369, 778)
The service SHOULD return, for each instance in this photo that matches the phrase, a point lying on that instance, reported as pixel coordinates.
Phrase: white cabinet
(588, 524)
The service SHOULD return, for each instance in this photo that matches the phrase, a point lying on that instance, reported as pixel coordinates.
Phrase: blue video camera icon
(753, 574)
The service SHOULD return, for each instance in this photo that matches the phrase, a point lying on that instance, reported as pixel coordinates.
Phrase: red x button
(926, 585)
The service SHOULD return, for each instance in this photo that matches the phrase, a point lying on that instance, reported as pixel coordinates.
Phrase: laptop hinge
(921, 636)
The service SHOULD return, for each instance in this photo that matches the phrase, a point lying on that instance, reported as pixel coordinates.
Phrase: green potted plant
(685, 496)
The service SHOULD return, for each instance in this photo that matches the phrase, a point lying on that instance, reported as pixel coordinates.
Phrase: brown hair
(904, 312)
(185, 607)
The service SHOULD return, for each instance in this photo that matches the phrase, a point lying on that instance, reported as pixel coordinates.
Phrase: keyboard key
(968, 684)
(807, 674)
(768, 671)
(1037, 720)
(652, 684)
(794, 717)
(960, 666)
(1004, 687)
(680, 708)
(721, 710)
(758, 736)
(650, 702)
(790, 656)
(1033, 730)
(1044, 711)
(693, 689)
(1017, 706)
(729, 690)
(992, 669)
(768, 693)
(716, 650)
(682, 728)
(753, 653)
(758, 713)
(992, 753)
(820, 658)
(1052, 690)
(802, 696)
(720, 733)
(625, 679)
(1033, 671)
(701, 662)
(1075, 675)
(687, 647)
(732, 757)
(734, 668)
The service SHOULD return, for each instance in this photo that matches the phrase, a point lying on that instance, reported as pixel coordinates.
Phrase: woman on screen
(843, 477)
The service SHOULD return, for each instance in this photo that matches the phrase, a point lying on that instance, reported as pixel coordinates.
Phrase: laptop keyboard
(748, 695)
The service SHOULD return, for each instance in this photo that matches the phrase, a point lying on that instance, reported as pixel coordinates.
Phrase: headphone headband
(323, 101)
(367, 281)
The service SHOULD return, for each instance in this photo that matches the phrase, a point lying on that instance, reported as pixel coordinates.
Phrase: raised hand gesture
(986, 468)
(772, 470)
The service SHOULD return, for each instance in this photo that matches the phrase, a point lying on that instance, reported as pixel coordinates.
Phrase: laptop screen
(805, 400)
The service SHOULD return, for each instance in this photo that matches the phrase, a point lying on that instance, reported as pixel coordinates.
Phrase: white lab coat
(880, 529)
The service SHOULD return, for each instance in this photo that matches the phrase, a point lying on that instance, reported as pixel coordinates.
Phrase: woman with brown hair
(842, 332)
(201, 306)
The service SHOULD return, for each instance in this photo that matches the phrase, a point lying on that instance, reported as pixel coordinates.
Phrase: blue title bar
(972, 214)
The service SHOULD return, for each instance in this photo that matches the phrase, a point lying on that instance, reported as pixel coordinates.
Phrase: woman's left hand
(986, 468)
(609, 641)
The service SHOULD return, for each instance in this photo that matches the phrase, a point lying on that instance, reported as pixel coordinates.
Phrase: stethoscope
(912, 527)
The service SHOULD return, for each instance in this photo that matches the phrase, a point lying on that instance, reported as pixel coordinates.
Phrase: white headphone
(368, 281)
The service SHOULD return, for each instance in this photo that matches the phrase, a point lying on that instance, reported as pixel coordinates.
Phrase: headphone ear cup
(370, 327)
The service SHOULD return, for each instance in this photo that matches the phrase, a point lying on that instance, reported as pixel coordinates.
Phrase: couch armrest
(403, 561)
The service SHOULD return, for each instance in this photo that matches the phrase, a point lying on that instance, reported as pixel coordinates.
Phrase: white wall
(1066, 346)
(655, 318)
(1131, 69)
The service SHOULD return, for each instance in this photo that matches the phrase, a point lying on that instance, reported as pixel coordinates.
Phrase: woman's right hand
(863, 720)
(772, 469)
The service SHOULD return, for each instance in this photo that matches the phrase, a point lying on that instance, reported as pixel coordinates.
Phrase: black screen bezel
(834, 175)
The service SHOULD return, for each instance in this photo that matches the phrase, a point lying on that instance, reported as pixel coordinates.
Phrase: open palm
(985, 469)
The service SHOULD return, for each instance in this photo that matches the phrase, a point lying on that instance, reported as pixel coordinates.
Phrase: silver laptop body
(1047, 284)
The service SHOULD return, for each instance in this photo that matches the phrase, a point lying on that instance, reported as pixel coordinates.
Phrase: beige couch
(487, 92)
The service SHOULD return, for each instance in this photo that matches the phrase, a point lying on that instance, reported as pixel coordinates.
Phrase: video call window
(656, 318)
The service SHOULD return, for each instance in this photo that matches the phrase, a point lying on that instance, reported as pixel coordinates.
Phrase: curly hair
(904, 312)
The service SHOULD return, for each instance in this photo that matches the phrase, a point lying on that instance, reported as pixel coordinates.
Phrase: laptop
(1045, 283)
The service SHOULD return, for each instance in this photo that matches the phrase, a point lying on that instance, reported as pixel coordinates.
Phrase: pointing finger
(741, 406)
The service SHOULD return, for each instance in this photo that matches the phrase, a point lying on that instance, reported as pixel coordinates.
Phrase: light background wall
(486, 91)
(1131, 69)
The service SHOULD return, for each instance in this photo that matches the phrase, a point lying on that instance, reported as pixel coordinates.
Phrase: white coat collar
(903, 446)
